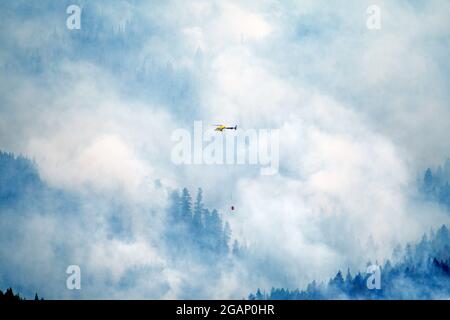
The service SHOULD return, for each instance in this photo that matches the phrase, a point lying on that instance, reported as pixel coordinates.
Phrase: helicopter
(221, 127)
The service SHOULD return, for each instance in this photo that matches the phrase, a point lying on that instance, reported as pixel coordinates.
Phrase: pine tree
(338, 281)
(236, 251)
(215, 230)
(408, 253)
(348, 281)
(259, 295)
(186, 205)
(387, 267)
(397, 253)
(428, 180)
(198, 210)
(226, 235)
(442, 236)
(174, 209)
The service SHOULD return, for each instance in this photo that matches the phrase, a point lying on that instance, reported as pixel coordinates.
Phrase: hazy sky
(361, 114)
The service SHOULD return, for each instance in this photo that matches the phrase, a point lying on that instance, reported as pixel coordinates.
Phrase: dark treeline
(9, 296)
(420, 271)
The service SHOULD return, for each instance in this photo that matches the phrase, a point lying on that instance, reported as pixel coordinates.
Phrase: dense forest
(18, 177)
(435, 185)
(195, 234)
(189, 227)
(416, 271)
(21, 188)
(196, 230)
(110, 44)
(420, 271)
(166, 66)
(191, 233)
